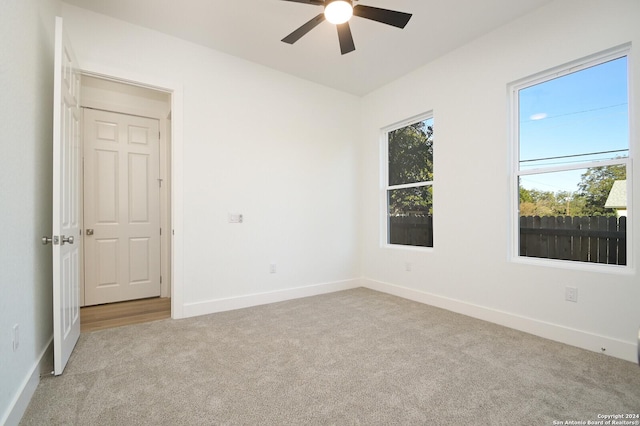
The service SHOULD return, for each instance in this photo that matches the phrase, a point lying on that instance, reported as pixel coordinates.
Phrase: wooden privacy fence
(594, 239)
(412, 230)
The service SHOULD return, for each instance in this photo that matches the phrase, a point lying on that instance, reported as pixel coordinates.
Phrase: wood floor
(99, 317)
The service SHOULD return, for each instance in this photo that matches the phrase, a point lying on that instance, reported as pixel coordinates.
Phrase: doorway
(102, 317)
(126, 140)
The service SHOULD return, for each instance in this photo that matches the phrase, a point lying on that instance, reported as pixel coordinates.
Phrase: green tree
(410, 161)
(525, 195)
(538, 203)
(569, 204)
(589, 200)
(546, 203)
(595, 185)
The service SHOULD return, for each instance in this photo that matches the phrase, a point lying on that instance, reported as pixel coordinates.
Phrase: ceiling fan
(339, 12)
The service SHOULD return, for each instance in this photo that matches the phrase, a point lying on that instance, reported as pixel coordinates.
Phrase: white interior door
(121, 207)
(66, 202)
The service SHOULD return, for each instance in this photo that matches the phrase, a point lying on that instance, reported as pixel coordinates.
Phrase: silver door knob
(67, 240)
(89, 231)
(46, 240)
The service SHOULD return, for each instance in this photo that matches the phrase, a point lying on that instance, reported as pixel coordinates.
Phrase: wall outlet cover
(16, 337)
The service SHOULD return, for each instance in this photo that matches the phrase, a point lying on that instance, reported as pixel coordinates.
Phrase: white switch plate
(235, 218)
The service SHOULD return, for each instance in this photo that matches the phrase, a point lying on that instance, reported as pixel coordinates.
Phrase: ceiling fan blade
(311, 2)
(345, 37)
(295, 36)
(389, 17)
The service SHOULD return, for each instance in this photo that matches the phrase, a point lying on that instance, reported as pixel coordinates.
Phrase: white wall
(468, 270)
(26, 114)
(279, 150)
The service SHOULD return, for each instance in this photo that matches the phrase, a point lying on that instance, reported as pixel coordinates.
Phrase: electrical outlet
(272, 268)
(571, 294)
(16, 337)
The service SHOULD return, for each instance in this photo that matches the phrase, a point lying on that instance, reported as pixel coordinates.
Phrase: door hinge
(160, 279)
(160, 231)
(160, 182)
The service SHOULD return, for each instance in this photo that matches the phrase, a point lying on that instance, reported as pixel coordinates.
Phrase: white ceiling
(252, 29)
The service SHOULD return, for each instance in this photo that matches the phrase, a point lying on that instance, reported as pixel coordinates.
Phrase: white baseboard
(231, 303)
(582, 339)
(21, 401)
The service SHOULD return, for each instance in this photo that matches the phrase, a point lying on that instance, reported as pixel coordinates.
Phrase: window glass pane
(578, 117)
(575, 215)
(411, 153)
(411, 216)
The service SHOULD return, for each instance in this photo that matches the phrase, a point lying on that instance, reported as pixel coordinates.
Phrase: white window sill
(575, 265)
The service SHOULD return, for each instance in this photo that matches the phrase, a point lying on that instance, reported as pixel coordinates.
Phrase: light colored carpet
(356, 357)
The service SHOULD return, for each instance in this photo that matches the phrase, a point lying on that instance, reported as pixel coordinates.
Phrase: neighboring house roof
(617, 198)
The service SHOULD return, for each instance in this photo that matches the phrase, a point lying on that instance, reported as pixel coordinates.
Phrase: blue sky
(581, 113)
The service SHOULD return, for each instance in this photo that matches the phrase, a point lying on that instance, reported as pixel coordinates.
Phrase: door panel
(106, 254)
(138, 188)
(67, 199)
(122, 207)
(106, 131)
(139, 254)
(106, 183)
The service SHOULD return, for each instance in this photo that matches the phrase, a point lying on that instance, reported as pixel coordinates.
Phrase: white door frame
(176, 92)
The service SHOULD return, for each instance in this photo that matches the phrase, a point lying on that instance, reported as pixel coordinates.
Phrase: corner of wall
(246, 301)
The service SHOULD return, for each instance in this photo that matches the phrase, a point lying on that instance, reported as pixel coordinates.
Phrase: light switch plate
(235, 218)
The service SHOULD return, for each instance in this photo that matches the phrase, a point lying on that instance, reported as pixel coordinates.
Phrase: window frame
(513, 90)
(385, 231)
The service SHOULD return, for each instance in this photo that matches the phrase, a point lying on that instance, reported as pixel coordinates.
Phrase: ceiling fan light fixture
(338, 11)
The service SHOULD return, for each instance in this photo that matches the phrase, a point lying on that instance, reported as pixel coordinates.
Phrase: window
(409, 183)
(571, 162)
